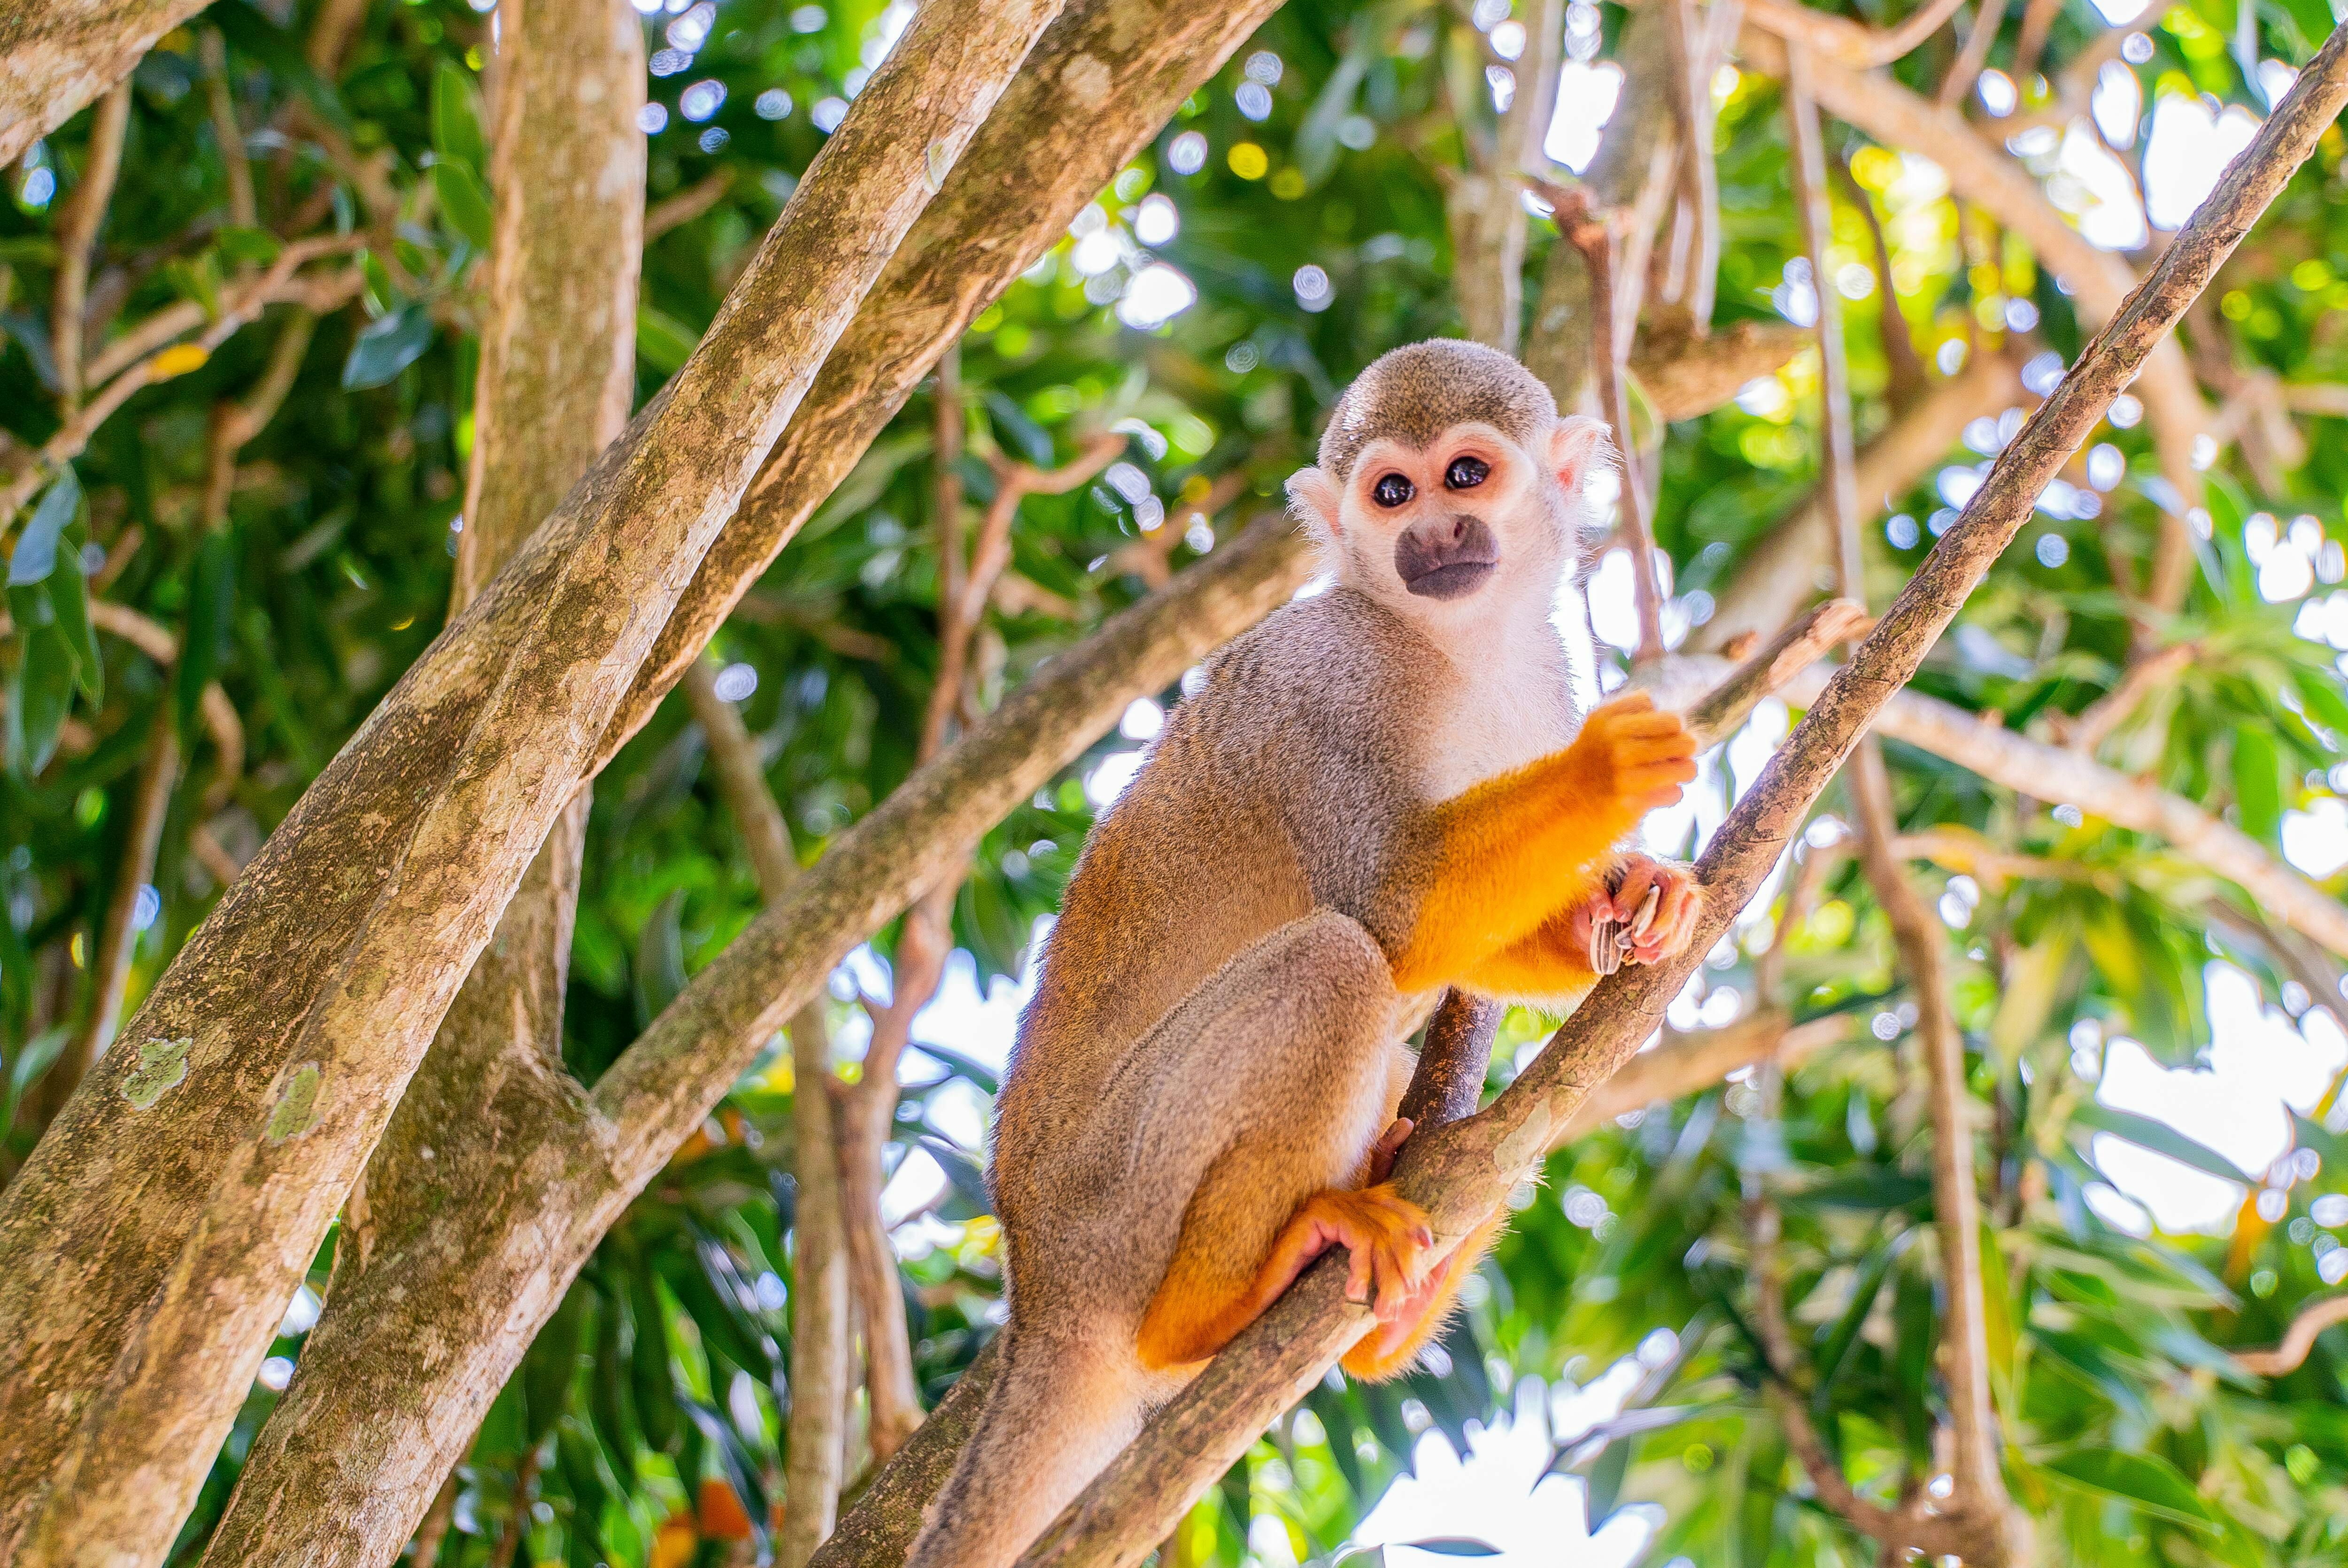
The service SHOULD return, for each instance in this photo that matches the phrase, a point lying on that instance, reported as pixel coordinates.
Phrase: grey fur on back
(1415, 391)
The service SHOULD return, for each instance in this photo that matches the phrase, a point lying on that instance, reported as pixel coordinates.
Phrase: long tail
(1059, 1411)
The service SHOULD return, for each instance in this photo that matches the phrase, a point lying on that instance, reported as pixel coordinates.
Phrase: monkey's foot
(1386, 1235)
(1393, 1345)
(1386, 1238)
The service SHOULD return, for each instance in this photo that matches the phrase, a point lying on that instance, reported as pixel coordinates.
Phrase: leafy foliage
(1306, 187)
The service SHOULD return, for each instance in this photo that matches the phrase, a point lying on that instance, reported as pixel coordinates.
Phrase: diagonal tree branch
(189, 1179)
(76, 233)
(1098, 85)
(1465, 1170)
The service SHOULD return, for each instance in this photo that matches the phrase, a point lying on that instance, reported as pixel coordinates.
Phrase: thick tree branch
(556, 378)
(56, 58)
(1094, 88)
(189, 1179)
(1462, 1173)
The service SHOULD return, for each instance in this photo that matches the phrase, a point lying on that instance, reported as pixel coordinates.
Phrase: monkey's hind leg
(1060, 1409)
(1288, 1071)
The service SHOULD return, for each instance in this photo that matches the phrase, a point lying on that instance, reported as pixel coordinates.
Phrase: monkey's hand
(1633, 757)
(1677, 900)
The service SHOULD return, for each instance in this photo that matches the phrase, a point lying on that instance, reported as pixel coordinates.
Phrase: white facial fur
(1529, 501)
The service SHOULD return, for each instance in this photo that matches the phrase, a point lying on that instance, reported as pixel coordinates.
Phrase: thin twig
(1851, 42)
(117, 938)
(675, 211)
(821, 1385)
(2297, 1340)
(1594, 236)
(76, 233)
(1988, 16)
(235, 165)
(2087, 734)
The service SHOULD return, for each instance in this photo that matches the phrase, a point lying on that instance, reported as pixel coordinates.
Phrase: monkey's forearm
(1547, 966)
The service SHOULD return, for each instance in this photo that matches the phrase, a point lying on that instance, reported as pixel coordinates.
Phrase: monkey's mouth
(1447, 559)
(1453, 582)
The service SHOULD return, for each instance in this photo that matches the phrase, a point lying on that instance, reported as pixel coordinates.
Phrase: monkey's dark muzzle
(1448, 558)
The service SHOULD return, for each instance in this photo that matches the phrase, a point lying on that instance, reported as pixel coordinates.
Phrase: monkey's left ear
(1314, 497)
(1578, 447)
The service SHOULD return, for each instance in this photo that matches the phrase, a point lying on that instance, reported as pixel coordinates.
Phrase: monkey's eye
(1392, 490)
(1466, 472)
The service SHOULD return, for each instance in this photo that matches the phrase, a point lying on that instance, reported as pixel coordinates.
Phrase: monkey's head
(1448, 485)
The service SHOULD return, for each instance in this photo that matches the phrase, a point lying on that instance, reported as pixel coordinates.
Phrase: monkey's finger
(1629, 703)
(1646, 721)
(1357, 1271)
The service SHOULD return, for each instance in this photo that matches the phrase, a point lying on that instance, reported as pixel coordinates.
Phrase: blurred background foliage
(1284, 229)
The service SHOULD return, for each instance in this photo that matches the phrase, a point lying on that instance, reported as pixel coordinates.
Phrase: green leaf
(2157, 1136)
(69, 601)
(35, 555)
(1868, 1286)
(456, 117)
(1455, 1546)
(464, 199)
(663, 342)
(43, 690)
(257, 246)
(2258, 787)
(653, 1384)
(2143, 1481)
(388, 345)
(25, 1069)
(211, 608)
(547, 1368)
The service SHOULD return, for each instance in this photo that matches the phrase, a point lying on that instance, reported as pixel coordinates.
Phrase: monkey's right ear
(1578, 447)
(1314, 497)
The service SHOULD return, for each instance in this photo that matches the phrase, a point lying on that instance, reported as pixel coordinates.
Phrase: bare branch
(1595, 237)
(2087, 733)
(1988, 16)
(78, 223)
(235, 166)
(676, 212)
(1685, 1064)
(2059, 773)
(1782, 571)
(1687, 375)
(1989, 178)
(821, 1377)
(1849, 43)
(2297, 1340)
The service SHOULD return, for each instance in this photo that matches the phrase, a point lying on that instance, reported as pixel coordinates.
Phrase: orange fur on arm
(1512, 853)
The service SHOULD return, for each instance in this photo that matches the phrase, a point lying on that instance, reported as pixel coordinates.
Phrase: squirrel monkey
(1380, 791)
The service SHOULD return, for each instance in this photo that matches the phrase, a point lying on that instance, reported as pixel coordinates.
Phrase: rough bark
(149, 1245)
(1785, 570)
(1096, 88)
(556, 378)
(1462, 1173)
(56, 58)
(822, 1379)
(399, 1422)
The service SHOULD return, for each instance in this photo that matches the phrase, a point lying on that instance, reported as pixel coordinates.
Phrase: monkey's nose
(1436, 561)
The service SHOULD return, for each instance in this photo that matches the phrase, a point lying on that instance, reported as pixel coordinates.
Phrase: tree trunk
(149, 1245)
(557, 376)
